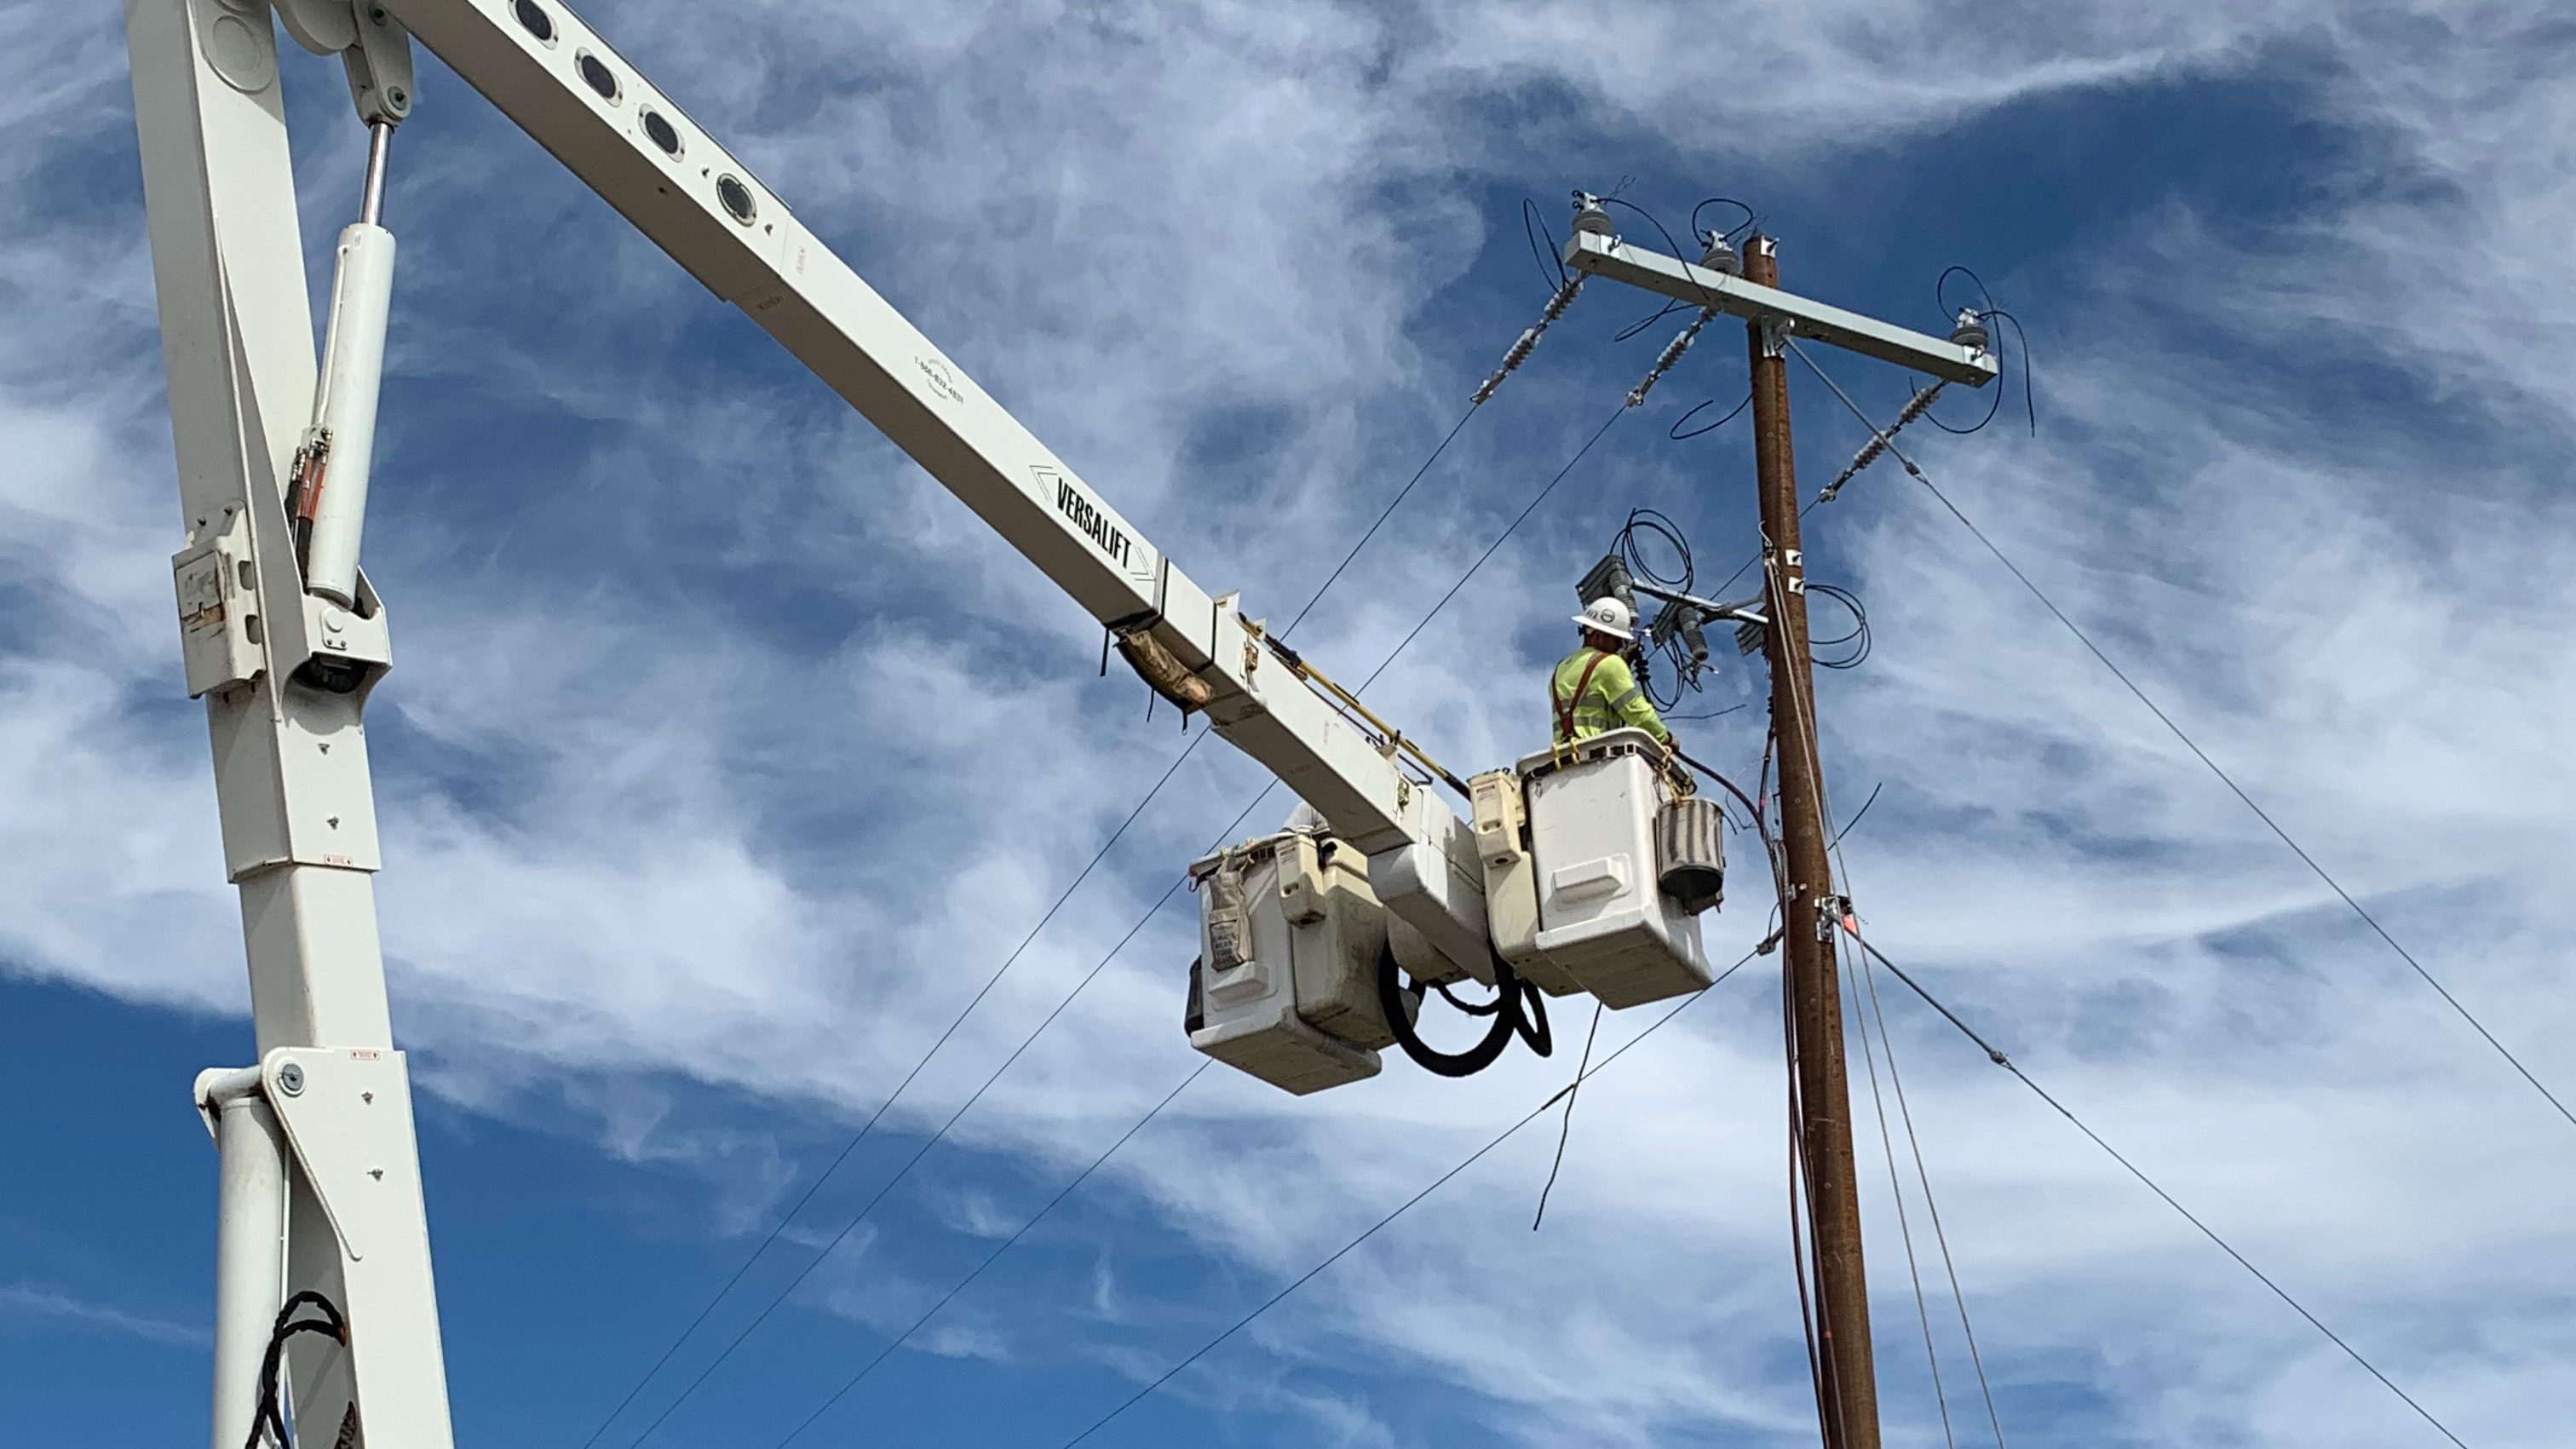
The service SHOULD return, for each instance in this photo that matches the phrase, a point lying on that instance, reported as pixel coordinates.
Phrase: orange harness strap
(1565, 707)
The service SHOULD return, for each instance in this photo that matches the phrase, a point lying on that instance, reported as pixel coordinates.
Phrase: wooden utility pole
(1850, 1403)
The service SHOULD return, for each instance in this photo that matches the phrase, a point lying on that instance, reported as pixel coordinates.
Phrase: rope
(1567, 1130)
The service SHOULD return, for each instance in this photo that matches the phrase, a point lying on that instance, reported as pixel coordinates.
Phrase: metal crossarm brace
(1608, 256)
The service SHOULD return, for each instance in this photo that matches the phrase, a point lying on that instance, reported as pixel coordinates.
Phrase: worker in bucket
(1594, 690)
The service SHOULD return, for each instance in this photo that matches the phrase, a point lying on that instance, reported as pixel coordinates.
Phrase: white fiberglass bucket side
(1299, 1008)
(1602, 919)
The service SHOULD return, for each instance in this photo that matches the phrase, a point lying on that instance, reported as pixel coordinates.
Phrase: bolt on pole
(1850, 1403)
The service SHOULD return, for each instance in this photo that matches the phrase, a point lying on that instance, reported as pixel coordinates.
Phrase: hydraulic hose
(1516, 1009)
(1529, 1015)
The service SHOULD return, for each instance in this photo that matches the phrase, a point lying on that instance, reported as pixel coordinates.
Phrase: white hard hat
(1607, 615)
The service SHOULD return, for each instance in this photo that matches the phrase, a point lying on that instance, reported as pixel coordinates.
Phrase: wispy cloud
(24, 1300)
(725, 748)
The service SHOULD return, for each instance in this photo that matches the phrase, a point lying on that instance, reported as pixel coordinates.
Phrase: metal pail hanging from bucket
(1690, 852)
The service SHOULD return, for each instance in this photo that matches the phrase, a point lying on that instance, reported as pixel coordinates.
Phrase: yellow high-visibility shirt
(1611, 699)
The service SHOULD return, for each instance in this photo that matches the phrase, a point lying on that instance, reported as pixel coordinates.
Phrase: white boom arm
(284, 637)
(571, 91)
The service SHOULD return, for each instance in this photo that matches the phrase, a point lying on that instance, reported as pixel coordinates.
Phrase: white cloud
(22, 1299)
(723, 745)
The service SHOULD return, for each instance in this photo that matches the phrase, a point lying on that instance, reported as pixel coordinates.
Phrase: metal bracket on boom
(371, 44)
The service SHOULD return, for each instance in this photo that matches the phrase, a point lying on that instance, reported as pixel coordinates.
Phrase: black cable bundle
(1517, 1009)
(271, 1415)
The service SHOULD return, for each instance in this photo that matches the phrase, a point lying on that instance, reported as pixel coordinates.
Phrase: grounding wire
(1836, 842)
(1677, 435)
(1101, 854)
(1990, 313)
(1532, 225)
(1140, 924)
(1730, 233)
(1373, 1229)
(2198, 753)
(2005, 1062)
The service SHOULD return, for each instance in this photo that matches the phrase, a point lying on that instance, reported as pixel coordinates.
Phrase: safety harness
(1565, 707)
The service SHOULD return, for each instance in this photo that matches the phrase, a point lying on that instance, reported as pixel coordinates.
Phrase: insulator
(1590, 215)
(1970, 331)
(1671, 354)
(1878, 443)
(1527, 342)
(1721, 257)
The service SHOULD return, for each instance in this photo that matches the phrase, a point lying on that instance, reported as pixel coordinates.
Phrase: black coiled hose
(1517, 1009)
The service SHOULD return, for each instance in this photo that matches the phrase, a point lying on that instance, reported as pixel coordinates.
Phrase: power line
(1400, 495)
(1491, 548)
(1373, 1229)
(1931, 1205)
(1247, 810)
(1896, 1190)
(2005, 1062)
(1085, 874)
(882, 1108)
(2224, 778)
(1060, 1007)
(990, 1258)
(922, 1151)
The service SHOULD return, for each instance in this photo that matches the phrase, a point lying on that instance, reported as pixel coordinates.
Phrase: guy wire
(2192, 745)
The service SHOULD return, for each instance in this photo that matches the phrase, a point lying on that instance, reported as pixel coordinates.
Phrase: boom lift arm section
(568, 88)
(284, 637)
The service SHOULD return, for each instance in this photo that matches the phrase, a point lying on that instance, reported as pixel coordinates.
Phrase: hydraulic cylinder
(250, 1251)
(344, 414)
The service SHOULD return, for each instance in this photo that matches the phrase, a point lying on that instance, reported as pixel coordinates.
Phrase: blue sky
(725, 756)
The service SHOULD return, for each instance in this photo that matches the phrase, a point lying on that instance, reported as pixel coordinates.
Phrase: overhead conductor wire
(960, 1020)
(1372, 678)
(1851, 929)
(1896, 1189)
(1401, 1209)
(2190, 744)
(1914, 1145)
(1931, 1204)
